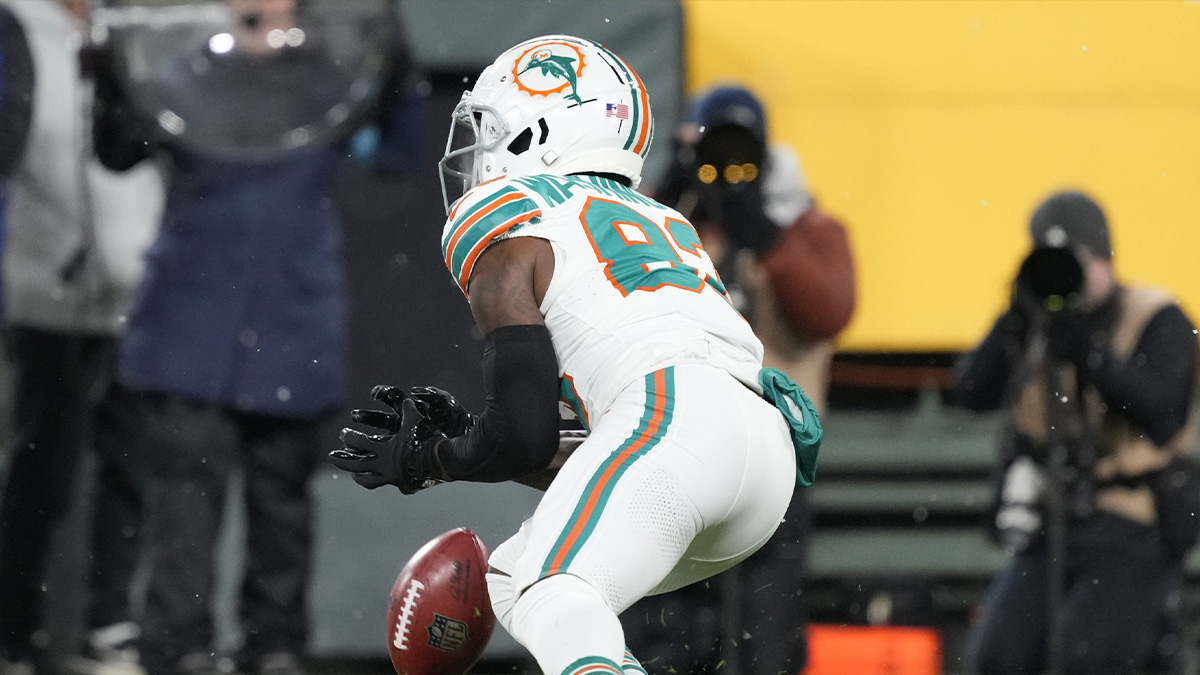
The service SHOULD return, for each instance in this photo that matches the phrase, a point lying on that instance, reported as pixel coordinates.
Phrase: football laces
(400, 641)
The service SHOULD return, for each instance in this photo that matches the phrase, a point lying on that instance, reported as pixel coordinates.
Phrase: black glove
(389, 422)
(404, 456)
(442, 411)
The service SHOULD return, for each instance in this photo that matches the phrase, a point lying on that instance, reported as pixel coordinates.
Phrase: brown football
(439, 616)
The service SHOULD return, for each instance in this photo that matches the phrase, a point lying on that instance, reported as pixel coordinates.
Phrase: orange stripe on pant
(595, 668)
(660, 407)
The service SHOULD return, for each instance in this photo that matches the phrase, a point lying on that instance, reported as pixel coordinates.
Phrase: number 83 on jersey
(640, 254)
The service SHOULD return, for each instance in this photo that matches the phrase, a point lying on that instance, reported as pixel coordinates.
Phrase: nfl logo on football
(446, 634)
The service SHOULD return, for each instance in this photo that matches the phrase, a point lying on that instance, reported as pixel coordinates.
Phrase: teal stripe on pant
(656, 417)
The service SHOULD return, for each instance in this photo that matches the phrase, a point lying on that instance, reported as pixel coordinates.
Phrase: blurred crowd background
(211, 261)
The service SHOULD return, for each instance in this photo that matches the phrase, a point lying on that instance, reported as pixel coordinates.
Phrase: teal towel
(789, 398)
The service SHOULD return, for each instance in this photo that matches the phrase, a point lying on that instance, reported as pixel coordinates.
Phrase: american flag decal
(617, 110)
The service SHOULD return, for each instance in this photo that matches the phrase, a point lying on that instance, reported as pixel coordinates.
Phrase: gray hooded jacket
(77, 231)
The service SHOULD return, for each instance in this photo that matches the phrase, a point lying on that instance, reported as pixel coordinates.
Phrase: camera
(1050, 283)
(728, 153)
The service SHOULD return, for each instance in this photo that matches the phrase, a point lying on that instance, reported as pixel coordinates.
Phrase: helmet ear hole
(521, 142)
(545, 130)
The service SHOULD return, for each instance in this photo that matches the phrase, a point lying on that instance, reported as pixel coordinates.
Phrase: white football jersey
(633, 290)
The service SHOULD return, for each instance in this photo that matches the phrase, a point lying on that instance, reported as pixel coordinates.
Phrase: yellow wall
(933, 128)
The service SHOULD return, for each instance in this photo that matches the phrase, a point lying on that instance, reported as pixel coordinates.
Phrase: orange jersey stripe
(469, 263)
(475, 217)
(458, 203)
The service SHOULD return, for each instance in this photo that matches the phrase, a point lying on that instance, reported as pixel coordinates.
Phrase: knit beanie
(1070, 219)
(729, 104)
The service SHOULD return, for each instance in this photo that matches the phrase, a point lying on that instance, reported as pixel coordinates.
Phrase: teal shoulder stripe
(591, 505)
(461, 218)
(484, 228)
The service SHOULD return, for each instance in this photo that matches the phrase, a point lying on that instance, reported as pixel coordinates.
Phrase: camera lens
(1051, 278)
(733, 152)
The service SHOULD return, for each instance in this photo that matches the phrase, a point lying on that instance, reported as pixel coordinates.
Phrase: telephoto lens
(1050, 281)
(729, 153)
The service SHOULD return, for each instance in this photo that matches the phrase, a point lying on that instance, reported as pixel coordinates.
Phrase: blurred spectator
(238, 337)
(788, 267)
(72, 260)
(1103, 461)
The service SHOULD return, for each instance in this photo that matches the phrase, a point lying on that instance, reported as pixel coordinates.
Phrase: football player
(592, 294)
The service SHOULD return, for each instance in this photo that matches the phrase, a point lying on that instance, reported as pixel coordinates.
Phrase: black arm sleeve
(981, 376)
(1154, 387)
(517, 434)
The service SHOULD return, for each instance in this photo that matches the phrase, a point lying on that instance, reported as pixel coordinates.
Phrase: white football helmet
(555, 104)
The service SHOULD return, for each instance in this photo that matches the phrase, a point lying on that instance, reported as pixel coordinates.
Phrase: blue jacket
(244, 299)
(244, 302)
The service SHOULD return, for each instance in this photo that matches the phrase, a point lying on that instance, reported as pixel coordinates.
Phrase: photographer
(786, 262)
(1099, 469)
(788, 268)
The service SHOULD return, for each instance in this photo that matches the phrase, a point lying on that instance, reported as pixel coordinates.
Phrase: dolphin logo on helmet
(556, 66)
